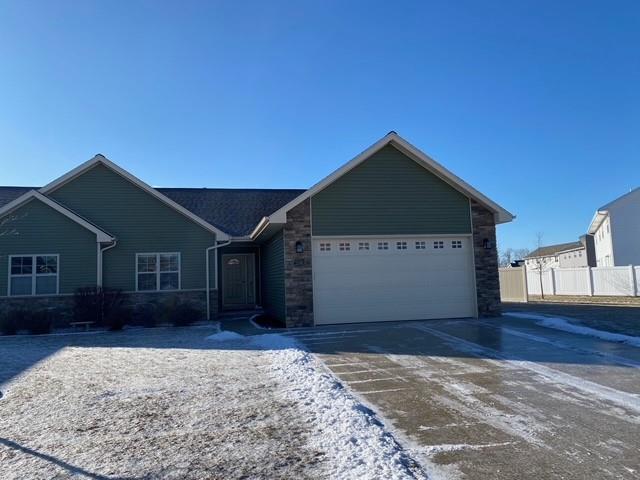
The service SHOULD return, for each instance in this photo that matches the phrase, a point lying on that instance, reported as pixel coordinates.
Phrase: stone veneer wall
(486, 261)
(61, 306)
(298, 279)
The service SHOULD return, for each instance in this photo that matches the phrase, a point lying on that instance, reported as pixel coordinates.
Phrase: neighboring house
(563, 255)
(616, 231)
(391, 235)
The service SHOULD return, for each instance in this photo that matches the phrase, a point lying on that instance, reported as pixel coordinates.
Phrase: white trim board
(101, 235)
(392, 138)
(101, 159)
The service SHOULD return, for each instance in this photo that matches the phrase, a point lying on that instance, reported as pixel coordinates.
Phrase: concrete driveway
(496, 398)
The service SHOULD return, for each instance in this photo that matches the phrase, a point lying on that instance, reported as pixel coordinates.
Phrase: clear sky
(536, 104)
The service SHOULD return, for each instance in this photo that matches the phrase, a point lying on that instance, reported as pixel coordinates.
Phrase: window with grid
(33, 275)
(325, 247)
(363, 245)
(158, 271)
(438, 244)
(401, 245)
(344, 246)
(421, 245)
(456, 244)
(383, 245)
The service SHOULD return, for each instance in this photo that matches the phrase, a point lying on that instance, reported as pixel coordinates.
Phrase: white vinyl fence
(611, 281)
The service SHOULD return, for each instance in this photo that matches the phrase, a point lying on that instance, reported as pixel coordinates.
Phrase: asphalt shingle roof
(553, 249)
(234, 211)
(8, 194)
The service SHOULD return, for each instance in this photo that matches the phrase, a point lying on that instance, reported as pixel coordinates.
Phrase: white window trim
(34, 274)
(157, 254)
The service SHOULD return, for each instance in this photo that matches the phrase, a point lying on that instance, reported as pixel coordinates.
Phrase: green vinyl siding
(140, 222)
(272, 273)
(36, 228)
(389, 194)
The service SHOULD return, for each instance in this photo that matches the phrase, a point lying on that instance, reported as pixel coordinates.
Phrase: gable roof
(603, 211)
(7, 208)
(392, 138)
(551, 250)
(8, 194)
(236, 211)
(101, 159)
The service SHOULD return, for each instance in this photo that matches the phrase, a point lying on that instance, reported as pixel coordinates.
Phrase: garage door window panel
(344, 246)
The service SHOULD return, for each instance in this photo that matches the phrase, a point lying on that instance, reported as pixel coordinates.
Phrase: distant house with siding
(616, 231)
(563, 255)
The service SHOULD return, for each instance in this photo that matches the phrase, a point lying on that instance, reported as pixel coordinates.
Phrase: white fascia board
(220, 235)
(101, 235)
(501, 215)
(597, 220)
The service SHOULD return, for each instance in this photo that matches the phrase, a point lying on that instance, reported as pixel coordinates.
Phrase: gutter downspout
(213, 247)
(100, 252)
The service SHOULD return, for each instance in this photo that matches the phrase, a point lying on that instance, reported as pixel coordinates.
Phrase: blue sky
(536, 104)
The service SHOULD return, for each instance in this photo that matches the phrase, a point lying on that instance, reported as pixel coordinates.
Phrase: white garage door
(372, 280)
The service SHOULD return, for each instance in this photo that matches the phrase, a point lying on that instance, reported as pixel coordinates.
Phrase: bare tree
(506, 257)
(539, 261)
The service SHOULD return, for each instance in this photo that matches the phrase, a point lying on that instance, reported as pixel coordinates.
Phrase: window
(607, 227)
(580, 254)
(456, 243)
(344, 246)
(383, 245)
(438, 244)
(33, 275)
(363, 246)
(401, 245)
(158, 271)
(325, 247)
(421, 245)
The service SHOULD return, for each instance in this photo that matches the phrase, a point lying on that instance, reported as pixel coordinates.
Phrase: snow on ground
(562, 324)
(356, 443)
(225, 336)
(172, 404)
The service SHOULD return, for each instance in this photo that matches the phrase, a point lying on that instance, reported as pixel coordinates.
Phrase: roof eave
(501, 215)
(101, 235)
(597, 220)
(57, 183)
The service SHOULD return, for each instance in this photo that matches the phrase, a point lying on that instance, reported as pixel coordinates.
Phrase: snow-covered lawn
(183, 404)
(567, 326)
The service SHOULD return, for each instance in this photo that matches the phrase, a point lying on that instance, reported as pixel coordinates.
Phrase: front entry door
(238, 281)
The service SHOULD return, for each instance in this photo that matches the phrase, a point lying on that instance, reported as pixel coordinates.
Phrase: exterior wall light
(299, 247)
(486, 244)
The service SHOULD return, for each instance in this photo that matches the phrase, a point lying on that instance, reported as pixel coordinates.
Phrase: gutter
(259, 228)
(100, 254)
(209, 249)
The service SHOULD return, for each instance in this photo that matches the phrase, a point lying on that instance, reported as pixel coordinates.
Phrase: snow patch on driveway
(225, 336)
(562, 324)
(356, 443)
